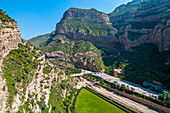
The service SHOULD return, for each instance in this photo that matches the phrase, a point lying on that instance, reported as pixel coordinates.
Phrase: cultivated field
(88, 102)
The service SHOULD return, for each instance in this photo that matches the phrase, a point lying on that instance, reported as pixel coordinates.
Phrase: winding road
(111, 79)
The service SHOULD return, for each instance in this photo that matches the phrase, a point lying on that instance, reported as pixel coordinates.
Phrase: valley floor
(127, 102)
(112, 79)
(123, 100)
(88, 102)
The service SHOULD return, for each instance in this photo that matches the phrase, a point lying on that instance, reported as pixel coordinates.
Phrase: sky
(38, 17)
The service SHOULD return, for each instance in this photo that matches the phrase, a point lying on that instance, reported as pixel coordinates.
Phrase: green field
(88, 102)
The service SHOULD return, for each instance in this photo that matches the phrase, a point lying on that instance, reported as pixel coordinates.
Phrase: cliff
(9, 34)
(29, 83)
(123, 14)
(149, 23)
(89, 25)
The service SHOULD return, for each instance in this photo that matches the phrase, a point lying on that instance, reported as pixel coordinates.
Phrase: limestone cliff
(150, 24)
(9, 34)
(137, 22)
(29, 83)
(9, 39)
(123, 14)
(89, 25)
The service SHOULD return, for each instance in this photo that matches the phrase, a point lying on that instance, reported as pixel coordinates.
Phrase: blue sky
(37, 17)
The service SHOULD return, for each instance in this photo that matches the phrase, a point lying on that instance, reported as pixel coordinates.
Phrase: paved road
(125, 101)
(109, 78)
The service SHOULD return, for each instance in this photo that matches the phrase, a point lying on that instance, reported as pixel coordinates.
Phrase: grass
(70, 47)
(47, 69)
(56, 102)
(88, 102)
(97, 29)
(123, 9)
(37, 41)
(146, 63)
(19, 67)
(86, 10)
(5, 18)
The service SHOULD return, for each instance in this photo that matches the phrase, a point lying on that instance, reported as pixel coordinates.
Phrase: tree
(123, 87)
(165, 96)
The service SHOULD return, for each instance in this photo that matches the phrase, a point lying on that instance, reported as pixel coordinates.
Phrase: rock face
(137, 22)
(87, 54)
(9, 38)
(56, 54)
(123, 15)
(150, 24)
(85, 65)
(89, 25)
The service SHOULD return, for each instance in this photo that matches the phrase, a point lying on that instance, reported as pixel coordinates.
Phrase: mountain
(37, 41)
(29, 83)
(150, 24)
(89, 25)
(143, 24)
(123, 15)
(129, 25)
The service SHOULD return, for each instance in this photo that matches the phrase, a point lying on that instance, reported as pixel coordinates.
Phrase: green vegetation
(165, 96)
(5, 18)
(56, 101)
(87, 30)
(89, 19)
(123, 9)
(47, 69)
(67, 68)
(87, 10)
(147, 25)
(70, 47)
(97, 29)
(132, 36)
(19, 66)
(145, 63)
(114, 101)
(88, 102)
(70, 71)
(91, 25)
(61, 73)
(125, 27)
(39, 40)
(123, 88)
(85, 46)
(26, 107)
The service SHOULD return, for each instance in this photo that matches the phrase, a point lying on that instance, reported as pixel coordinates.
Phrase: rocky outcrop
(26, 78)
(150, 24)
(85, 65)
(10, 37)
(89, 25)
(139, 21)
(60, 54)
(87, 54)
(56, 54)
(129, 25)
(123, 15)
